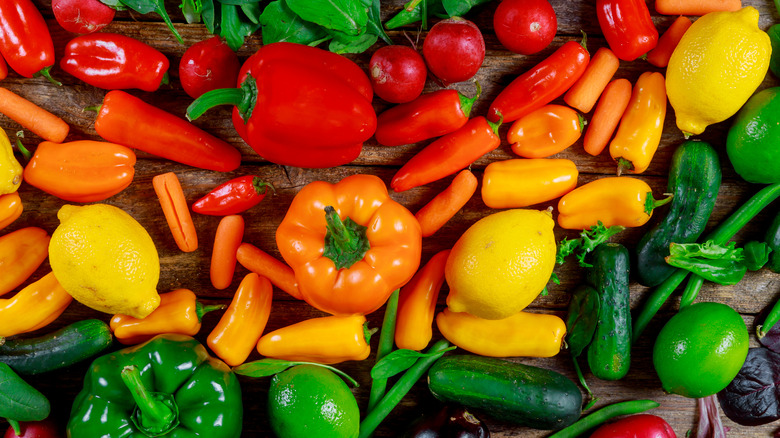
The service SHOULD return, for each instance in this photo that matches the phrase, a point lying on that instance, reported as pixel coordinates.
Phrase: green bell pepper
(167, 387)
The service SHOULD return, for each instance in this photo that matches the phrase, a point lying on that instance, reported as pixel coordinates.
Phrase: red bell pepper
(112, 62)
(448, 154)
(542, 84)
(127, 120)
(636, 426)
(627, 26)
(299, 106)
(233, 197)
(25, 42)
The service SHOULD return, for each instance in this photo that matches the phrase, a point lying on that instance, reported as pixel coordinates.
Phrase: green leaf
(140, 6)
(406, 16)
(342, 43)
(458, 8)
(280, 23)
(756, 254)
(114, 4)
(209, 16)
(191, 10)
(584, 309)
(239, 2)
(252, 11)
(399, 361)
(347, 16)
(588, 241)
(375, 22)
(268, 367)
(230, 26)
(708, 250)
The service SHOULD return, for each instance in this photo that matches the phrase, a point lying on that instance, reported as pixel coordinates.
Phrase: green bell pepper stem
(603, 415)
(244, 98)
(154, 413)
(386, 340)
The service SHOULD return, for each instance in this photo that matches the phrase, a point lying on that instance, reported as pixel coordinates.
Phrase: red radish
(208, 65)
(525, 26)
(454, 50)
(35, 429)
(397, 73)
(82, 16)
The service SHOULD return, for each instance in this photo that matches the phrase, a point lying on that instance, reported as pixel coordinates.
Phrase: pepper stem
(345, 242)
(261, 187)
(467, 102)
(45, 72)
(243, 98)
(153, 416)
(201, 310)
(624, 165)
(495, 125)
(584, 41)
(652, 203)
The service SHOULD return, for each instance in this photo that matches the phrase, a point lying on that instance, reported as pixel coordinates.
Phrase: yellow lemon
(716, 67)
(501, 263)
(105, 259)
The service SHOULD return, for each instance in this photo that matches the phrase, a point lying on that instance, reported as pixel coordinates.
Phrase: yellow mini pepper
(33, 307)
(10, 209)
(10, 169)
(522, 182)
(21, 252)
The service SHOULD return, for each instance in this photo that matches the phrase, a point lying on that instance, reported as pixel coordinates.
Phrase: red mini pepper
(542, 84)
(299, 106)
(127, 120)
(25, 42)
(627, 26)
(112, 62)
(233, 197)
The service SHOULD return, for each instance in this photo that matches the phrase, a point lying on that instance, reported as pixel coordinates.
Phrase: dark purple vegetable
(449, 422)
(753, 397)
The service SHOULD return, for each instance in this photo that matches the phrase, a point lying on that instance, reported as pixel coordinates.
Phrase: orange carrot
(609, 110)
(264, 264)
(176, 212)
(660, 55)
(695, 7)
(586, 91)
(43, 123)
(443, 206)
(230, 232)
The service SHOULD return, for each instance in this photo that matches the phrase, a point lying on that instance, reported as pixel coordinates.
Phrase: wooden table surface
(190, 270)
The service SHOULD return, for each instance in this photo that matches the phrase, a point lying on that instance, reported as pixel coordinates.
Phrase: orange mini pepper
(545, 131)
(642, 124)
(81, 171)
(523, 334)
(176, 211)
(325, 340)
(179, 312)
(349, 244)
(21, 253)
(417, 304)
(242, 324)
(10, 209)
(33, 307)
(523, 182)
(615, 200)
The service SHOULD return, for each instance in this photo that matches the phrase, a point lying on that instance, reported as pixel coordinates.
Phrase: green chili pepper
(386, 339)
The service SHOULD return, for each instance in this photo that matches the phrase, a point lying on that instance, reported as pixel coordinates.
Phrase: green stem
(466, 103)
(46, 73)
(652, 203)
(386, 341)
(23, 150)
(345, 241)
(584, 384)
(603, 415)
(261, 187)
(162, 13)
(244, 98)
(201, 310)
(584, 42)
(771, 319)
(154, 412)
(15, 425)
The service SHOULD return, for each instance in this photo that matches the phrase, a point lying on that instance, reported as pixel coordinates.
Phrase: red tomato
(525, 26)
(35, 429)
(397, 73)
(454, 50)
(636, 426)
(208, 65)
(82, 16)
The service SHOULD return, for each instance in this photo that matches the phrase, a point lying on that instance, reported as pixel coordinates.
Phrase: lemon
(716, 67)
(105, 259)
(501, 263)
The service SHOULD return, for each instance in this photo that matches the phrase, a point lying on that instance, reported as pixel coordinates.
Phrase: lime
(700, 350)
(310, 401)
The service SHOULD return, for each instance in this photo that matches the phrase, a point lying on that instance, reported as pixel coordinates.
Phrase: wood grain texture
(190, 270)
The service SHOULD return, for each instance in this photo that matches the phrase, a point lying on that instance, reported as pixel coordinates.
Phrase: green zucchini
(609, 353)
(510, 391)
(772, 239)
(64, 347)
(694, 180)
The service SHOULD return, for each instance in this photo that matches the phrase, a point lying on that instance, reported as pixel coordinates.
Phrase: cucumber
(64, 347)
(609, 353)
(694, 180)
(521, 394)
(772, 239)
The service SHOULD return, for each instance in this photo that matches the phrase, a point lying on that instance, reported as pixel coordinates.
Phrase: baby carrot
(444, 205)
(586, 91)
(695, 7)
(176, 212)
(43, 123)
(264, 264)
(230, 232)
(660, 55)
(609, 110)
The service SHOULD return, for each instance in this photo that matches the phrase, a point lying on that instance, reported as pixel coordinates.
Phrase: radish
(82, 16)
(454, 50)
(397, 73)
(525, 26)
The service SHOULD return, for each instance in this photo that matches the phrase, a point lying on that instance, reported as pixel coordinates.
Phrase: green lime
(700, 350)
(310, 401)
(753, 142)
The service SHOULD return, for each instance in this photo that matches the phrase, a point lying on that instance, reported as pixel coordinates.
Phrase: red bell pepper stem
(627, 26)
(243, 98)
(25, 40)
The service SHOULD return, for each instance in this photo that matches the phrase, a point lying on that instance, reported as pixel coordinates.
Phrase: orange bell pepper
(10, 209)
(642, 124)
(349, 244)
(615, 200)
(179, 312)
(21, 253)
(81, 171)
(242, 324)
(523, 182)
(417, 304)
(523, 334)
(545, 131)
(33, 307)
(325, 340)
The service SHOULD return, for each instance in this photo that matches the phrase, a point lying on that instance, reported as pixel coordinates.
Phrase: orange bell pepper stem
(545, 131)
(642, 124)
(265, 265)
(600, 70)
(21, 253)
(433, 215)
(33, 307)
(10, 209)
(230, 232)
(244, 321)
(417, 304)
(661, 54)
(612, 104)
(174, 206)
(179, 312)
(43, 123)
(522, 182)
(325, 340)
